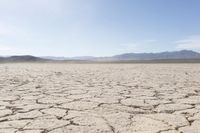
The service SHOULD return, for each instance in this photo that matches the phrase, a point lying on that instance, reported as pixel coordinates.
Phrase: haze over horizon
(97, 27)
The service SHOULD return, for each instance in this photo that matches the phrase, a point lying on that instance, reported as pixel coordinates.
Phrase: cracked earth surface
(99, 98)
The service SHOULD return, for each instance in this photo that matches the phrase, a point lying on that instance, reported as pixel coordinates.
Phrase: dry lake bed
(99, 98)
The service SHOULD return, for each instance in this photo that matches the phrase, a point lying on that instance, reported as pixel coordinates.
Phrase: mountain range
(175, 55)
(184, 54)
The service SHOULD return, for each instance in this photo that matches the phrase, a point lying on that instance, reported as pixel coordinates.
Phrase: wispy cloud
(139, 46)
(191, 43)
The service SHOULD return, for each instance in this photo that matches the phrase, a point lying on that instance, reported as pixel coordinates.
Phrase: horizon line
(99, 56)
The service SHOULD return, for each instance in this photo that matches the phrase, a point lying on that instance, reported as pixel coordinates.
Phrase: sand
(99, 98)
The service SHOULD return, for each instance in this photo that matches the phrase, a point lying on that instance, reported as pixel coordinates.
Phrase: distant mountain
(184, 54)
(176, 56)
(83, 58)
(24, 58)
(54, 58)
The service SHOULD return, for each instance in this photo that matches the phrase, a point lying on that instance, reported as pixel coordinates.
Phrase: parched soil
(99, 98)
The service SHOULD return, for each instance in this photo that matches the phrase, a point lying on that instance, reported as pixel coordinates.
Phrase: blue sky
(97, 27)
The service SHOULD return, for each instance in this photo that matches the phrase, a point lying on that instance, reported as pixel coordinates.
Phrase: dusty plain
(99, 98)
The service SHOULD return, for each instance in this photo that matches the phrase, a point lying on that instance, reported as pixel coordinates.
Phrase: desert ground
(99, 98)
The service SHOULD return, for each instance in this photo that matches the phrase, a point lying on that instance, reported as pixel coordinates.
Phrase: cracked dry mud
(99, 98)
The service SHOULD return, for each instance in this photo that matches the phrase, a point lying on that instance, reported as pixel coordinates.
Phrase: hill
(24, 58)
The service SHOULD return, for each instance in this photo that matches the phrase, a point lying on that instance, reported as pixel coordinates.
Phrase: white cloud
(190, 43)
